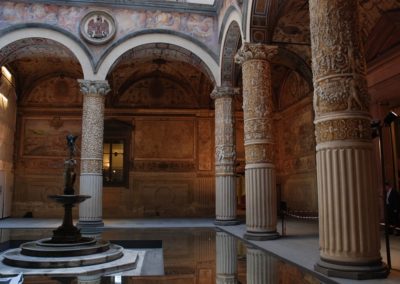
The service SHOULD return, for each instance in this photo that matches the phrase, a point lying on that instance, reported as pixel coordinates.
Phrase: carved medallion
(98, 27)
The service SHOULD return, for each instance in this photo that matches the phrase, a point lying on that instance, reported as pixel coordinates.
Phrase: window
(116, 145)
(113, 162)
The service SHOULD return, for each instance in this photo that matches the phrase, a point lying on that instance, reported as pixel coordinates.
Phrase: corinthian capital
(94, 87)
(224, 91)
(255, 51)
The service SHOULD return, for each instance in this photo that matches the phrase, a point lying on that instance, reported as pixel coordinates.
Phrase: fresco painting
(200, 27)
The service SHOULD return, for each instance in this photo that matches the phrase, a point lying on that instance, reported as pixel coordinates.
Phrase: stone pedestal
(261, 210)
(347, 196)
(225, 154)
(226, 258)
(91, 179)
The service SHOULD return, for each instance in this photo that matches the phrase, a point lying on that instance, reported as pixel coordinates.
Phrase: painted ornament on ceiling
(98, 27)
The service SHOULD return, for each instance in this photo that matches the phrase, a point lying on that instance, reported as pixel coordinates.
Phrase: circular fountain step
(43, 249)
(14, 257)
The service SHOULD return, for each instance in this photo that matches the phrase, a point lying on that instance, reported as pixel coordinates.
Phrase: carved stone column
(91, 180)
(262, 268)
(225, 154)
(347, 198)
(261, 215)
(226, 258)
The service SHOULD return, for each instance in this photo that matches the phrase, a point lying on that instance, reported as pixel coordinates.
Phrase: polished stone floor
(298, 245)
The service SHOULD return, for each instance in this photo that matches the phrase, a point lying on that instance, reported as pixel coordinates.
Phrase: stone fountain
(67, 248)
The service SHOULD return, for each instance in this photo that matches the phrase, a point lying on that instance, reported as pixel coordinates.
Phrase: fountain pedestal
(67, 232)
(67, 248)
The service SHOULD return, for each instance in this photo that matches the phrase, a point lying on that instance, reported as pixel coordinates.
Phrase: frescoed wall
(295, 145)
(200, 27)
(171, 163)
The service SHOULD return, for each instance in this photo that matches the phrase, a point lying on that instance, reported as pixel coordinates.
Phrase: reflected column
(262, 268)
(91, 179)
(261, 211)
(226, 260)
(347, 197)
(225, 155)
(89, 279)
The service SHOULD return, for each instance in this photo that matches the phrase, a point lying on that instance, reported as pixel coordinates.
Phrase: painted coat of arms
(98, 27)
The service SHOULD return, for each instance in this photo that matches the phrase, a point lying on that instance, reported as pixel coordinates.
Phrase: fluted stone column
(226, 259)
(225, 154)
(261, 268)
(261, 215)
(347, 198)
(91, 180)
(89, 279)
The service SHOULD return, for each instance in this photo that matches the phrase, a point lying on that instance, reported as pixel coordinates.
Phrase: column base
(361, 272)
(261, 236)
(90, 227)
(226, 222)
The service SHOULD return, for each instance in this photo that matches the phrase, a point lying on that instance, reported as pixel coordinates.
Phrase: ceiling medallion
(98, 27)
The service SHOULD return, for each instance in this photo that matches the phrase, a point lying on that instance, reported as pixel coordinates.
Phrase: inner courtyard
(233, 111)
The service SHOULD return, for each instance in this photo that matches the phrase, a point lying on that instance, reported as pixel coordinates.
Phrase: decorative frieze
(343, 129)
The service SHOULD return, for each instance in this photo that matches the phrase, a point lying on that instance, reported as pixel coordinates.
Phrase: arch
(24, 31)
(231, 39)
(293, 61)
(151, 37)
(247, 8)
(231, 15)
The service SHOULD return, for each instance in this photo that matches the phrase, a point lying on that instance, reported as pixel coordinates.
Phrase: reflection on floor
(299, 245)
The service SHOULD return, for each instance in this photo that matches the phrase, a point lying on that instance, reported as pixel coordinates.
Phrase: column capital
(258, 51)
(94, 87)
(224, 91)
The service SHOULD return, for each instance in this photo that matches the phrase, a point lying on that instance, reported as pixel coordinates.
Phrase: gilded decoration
(259, 153)
(343, 129)
(225, 152)
(338, 61)
(257, 101)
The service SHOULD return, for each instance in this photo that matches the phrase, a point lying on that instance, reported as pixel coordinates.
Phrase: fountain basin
(67, 199)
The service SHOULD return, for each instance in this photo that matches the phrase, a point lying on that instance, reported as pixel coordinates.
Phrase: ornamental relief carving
(89, 87)
(259, 153)
(256, 79)
(338, 61)
(338, 94)
(224, 92)
(250, 51)
(224, 169)
(257, 129)
(225, 154)
(343, 129)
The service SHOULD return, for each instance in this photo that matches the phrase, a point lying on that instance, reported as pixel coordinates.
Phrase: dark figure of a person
(393, 206)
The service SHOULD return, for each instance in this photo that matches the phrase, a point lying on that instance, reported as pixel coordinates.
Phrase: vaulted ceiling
(285, 23)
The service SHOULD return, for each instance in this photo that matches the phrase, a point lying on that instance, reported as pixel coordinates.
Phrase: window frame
(115, 130)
